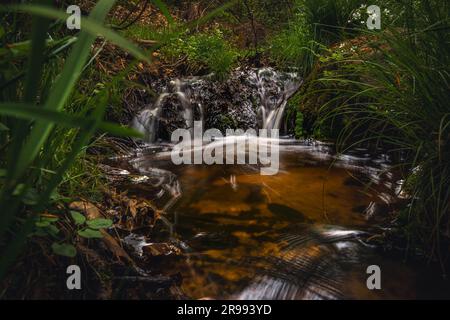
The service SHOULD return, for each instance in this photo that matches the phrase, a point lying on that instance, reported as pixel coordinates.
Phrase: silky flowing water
(304, 233)
(300, 234)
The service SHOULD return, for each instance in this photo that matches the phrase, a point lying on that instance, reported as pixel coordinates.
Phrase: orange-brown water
(295, 235)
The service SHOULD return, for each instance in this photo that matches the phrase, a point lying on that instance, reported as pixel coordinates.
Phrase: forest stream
(299, 234)
(224, 150)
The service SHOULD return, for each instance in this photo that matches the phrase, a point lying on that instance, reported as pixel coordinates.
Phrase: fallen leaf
(89, 210)
(92, 212)
(132, 206)
(115, 248)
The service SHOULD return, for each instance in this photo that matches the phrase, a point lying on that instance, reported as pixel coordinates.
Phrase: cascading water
(151, 119)
(272, 106)
(251, 98)
(299, 234)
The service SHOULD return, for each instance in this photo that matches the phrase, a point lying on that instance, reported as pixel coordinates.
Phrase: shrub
(208, 52)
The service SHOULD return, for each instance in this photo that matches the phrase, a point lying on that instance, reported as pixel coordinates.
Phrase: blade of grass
(161, 6)
(61, 90)
(30, 112)
(88, 24)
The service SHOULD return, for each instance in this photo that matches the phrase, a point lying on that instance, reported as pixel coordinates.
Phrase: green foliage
(226, 121)
(64, 249)
(204, 52)
(90, 228)
(83, 178)
(294, 112)
(293, 45)
(90, 233)
(313, 25)
(331, 20)
(396, 96)
(77, 217)
(299, 125)
(45, 226)
(32, 107)
(46, 128)
(144, 32)
(99, 223)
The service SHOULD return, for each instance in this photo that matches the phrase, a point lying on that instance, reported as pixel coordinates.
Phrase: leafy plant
(45, 226)
(64, 249)
(293, 45)
(32, 108)
(204, 51)
(90, 229)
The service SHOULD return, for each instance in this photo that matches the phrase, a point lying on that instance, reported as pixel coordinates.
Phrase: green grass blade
(161, 6)
(30, 112)
(90, 25)
(36, 59)
(62, 88)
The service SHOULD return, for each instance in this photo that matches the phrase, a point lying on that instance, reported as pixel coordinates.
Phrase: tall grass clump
(395, 95)
(35, 123)
(313, 25)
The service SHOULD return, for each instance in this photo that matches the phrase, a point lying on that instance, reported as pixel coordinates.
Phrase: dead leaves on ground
(92, 212)
(131, 212)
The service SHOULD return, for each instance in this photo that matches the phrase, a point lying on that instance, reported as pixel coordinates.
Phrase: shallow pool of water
(300, 234)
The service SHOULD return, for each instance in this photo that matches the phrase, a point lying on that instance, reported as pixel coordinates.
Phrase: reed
(397, 97)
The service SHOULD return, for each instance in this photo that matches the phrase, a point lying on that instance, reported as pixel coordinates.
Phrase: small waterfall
(273, 104)
(172, 108)
(147, 121)
(184, 97)
(250, 98)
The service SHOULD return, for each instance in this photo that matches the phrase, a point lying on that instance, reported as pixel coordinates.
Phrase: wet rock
(248, 98)
(144, 249)
(161, 249)
(135, 243)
